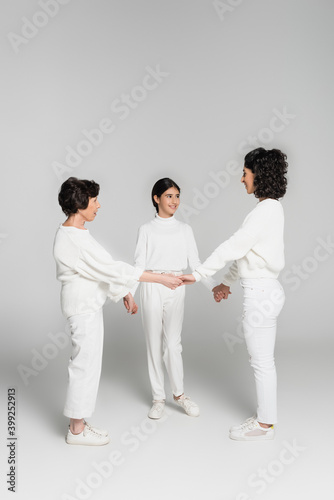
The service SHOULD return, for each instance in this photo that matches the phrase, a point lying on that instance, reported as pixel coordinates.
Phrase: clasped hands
(171, 281)
(219, 292)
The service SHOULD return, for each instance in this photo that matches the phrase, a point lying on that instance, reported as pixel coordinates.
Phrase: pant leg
(263, 301)
(172, 327)
(85, 364)
(151, 298)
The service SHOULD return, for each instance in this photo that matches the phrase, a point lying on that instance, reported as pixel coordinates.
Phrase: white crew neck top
(257, 248)
(167, 244)
(87, 272)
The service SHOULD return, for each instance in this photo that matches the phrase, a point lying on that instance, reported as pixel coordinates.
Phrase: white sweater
(88, 273)
(257, 248)
(166, 244)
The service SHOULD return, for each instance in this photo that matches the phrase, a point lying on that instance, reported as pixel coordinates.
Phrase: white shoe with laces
(237, 427)
(157, 409)
(251, 430)
(190, 407)
(87, 437)
(103, 432)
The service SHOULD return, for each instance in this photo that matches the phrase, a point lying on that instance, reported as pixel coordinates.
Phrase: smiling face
(88, 214)
(168, 202)
(248, 180)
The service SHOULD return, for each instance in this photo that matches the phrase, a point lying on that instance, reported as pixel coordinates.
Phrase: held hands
(174, 282)
(221, 292)
(170, 281)
(129, 303)
(188, 279)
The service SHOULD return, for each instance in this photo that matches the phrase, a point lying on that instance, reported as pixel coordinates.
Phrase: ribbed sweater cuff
(197, 276)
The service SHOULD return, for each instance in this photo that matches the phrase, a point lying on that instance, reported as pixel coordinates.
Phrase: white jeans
(263, 301)
(162, 315)
(85, 364)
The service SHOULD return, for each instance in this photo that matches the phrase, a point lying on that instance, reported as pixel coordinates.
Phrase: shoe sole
(154, 418)
(253, 438)
(86, 444)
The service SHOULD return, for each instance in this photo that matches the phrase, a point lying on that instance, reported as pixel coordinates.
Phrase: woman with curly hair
(257, 252)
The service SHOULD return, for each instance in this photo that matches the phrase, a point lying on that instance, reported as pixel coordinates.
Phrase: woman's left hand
(221, 292)
(129, 303)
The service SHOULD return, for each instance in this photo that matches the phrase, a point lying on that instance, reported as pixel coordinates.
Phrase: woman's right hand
(188, 279)
(170, 281)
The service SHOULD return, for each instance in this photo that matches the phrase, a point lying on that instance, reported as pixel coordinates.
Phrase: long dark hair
(160, 187)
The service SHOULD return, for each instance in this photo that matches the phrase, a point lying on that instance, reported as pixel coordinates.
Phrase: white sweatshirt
(257, 248)
(88, 273)
(166, 244)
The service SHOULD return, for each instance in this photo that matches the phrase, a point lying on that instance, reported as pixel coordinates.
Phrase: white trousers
(162, 315)
(263, 301)
(85, 364)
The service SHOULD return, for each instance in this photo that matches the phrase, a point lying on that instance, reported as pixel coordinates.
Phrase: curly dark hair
(74, 194)
(270, 168)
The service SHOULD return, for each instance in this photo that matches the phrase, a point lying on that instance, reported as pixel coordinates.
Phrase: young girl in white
(165, 245)
(257, 250)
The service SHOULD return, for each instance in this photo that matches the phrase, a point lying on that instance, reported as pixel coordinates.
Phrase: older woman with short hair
(89, 275)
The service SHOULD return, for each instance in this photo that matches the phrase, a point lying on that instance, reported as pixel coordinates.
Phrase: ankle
(178, 397)
(77, 425)
(265, 426)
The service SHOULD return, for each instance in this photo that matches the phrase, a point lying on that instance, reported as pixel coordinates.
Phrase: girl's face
(88, 214)
(248, 180)
(168, 202)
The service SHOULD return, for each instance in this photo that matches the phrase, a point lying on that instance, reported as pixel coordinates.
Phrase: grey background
(227, 74)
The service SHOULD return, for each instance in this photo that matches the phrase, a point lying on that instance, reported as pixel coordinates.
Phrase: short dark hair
(74, 194)
(270, 168)
(160, 187)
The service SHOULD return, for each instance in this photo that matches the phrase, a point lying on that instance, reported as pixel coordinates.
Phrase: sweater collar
(165, 220)
(72, 228)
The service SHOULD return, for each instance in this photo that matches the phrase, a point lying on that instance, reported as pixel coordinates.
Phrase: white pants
(85, 364)
(162, 315)
(263, 301)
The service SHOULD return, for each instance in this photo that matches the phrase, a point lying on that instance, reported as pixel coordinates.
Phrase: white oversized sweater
(166, 244)
(257, 248)
(88, 273)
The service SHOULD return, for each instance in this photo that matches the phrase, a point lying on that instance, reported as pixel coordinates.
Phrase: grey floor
(181, 457)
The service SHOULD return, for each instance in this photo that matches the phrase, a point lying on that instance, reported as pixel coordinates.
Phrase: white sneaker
(251, 430)
(157, 409)
(87, 437)
(237, 427)
(103, 432)
(190, 407)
